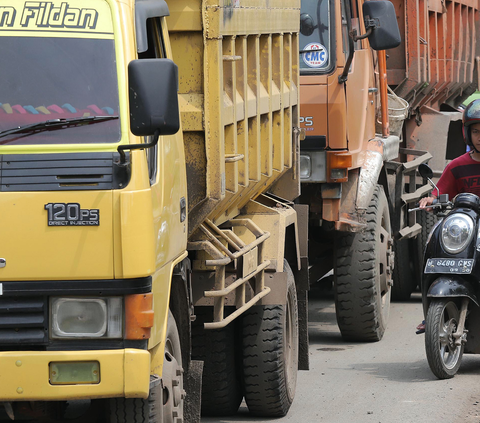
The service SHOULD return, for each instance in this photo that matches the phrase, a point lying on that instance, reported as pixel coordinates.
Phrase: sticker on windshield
(317, 57)
(72, 16)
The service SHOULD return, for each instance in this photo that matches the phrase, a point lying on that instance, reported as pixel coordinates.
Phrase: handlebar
(435, 205)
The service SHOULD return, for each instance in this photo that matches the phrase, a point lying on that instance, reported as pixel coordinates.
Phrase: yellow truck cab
(84, 258)
(112, 214)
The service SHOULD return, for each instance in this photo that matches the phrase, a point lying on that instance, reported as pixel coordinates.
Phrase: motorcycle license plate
(458, 266)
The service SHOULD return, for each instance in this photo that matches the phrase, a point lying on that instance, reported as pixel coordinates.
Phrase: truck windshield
(58, 65)
(315, 42)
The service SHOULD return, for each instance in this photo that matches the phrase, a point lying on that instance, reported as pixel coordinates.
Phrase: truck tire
(362, 262)
(270, 354)
(221, 389)
(165, 398)
(404, 282)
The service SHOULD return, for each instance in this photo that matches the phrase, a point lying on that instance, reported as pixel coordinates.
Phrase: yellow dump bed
(238, 72)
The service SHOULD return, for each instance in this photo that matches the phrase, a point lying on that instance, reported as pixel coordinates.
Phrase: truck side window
(355, 21)
(156, 50)
(352, 11)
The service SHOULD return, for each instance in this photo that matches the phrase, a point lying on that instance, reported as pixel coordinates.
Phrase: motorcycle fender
(452, 286)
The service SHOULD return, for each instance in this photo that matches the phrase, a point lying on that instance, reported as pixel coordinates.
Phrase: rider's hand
(425, 202)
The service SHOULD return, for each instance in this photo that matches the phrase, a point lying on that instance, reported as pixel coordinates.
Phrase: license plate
(459, 266)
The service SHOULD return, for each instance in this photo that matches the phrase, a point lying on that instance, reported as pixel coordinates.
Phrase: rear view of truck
(238, 91)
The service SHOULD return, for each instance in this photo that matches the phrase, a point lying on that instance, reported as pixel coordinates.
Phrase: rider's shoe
(421, 328)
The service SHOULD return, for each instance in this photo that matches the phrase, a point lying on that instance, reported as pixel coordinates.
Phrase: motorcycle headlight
(457, 232)
(86, 317)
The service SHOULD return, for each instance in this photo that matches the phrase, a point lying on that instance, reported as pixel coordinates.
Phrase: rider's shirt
(461, 175)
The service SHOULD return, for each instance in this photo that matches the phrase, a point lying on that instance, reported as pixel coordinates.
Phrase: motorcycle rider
(463, 173)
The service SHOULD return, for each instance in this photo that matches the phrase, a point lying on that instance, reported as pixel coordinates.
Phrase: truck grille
(23, 320)
(61, 172)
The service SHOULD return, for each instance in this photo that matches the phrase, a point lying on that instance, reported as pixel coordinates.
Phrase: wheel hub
(173, 392)
(386, 261)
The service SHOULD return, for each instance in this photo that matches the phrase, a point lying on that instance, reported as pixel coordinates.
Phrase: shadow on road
(397, 372)
(414, 372)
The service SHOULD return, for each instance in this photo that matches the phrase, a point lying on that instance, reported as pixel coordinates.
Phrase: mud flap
(303, 285)
(193, 387)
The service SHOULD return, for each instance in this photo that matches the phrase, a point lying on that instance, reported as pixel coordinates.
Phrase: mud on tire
(404, 282)
(362, 272)
(270, 354)
(221, 389)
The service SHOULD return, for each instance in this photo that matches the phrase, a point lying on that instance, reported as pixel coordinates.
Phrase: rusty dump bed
(238, 71)
(437, 61)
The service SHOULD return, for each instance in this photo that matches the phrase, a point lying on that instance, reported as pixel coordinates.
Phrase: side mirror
(153, 97)
(425, 171)
(380, 16)
(307, 26)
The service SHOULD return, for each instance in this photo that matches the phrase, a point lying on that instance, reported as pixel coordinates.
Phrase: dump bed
(238, 72)
(437, 60)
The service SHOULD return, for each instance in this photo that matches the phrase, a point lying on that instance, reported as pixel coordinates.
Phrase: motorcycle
(451, 281)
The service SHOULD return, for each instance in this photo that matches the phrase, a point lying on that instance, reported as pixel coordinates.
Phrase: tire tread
(265, 383)
(355, 273)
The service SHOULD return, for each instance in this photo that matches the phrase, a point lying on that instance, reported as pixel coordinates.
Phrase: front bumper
(24, 375)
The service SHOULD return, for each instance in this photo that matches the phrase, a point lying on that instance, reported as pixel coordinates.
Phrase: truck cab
(86, 259)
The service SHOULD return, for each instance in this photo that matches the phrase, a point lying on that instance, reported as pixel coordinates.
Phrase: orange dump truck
(371, 114)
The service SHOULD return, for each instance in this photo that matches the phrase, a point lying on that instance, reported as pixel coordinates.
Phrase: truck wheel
(270, 354)
(165, 398)
(444, 357)
(363, 262)
(221, 390)
(404, 281)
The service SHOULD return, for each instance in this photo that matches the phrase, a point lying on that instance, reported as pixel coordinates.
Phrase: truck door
(360, 85)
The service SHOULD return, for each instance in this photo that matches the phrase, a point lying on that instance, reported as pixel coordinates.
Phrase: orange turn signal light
(138, 316)
(338, 164)
(339, 161)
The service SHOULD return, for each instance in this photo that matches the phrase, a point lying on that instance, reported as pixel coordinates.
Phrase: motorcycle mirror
(425, 171)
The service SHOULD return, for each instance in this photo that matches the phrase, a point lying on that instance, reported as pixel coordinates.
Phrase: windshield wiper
(50, 125)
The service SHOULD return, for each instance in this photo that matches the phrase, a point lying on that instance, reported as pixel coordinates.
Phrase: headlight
(305, 167)
(87, 317)
(457, 232)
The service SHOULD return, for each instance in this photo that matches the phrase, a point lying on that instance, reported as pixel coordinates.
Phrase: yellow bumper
(24, 375)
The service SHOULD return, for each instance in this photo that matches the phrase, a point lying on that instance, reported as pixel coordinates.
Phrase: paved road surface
(386, 382)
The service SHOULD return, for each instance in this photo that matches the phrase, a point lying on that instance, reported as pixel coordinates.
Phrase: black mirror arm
(362, 37)
(142, 146)
(351, 47)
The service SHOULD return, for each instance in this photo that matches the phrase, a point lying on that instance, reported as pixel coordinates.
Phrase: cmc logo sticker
(318, 56)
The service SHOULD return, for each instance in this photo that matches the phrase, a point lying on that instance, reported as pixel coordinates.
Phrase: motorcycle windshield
(58, 62)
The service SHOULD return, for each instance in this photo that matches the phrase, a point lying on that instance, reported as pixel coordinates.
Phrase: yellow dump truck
(148, 167)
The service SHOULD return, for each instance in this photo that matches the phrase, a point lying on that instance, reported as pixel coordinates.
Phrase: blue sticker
(318, 56)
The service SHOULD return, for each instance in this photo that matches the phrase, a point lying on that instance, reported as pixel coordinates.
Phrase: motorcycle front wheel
(444, 357)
